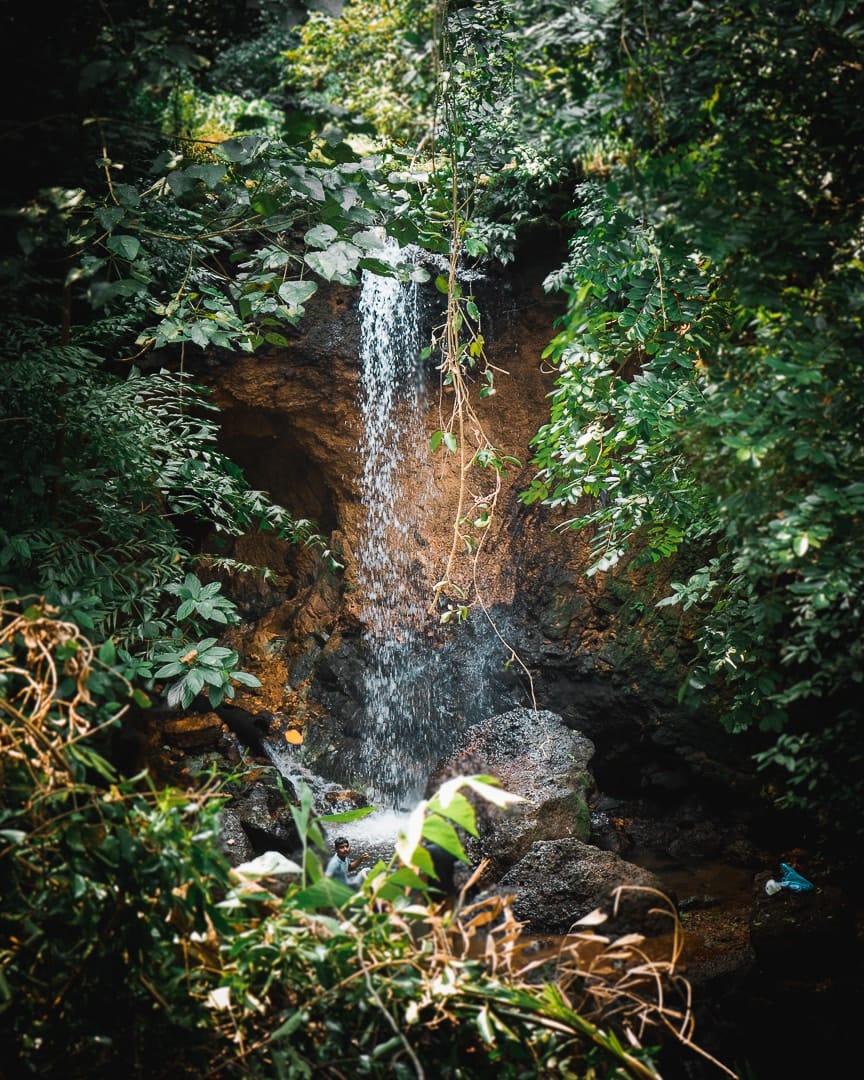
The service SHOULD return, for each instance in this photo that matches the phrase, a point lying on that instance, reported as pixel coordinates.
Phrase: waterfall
(418, 691)
(418, 687)
(400, 736)
(392, 397)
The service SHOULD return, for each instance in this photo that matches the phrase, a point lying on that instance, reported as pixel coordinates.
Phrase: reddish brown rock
(195, 731)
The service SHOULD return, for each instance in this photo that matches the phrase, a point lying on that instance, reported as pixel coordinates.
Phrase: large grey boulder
(534, 755)
(559, 882)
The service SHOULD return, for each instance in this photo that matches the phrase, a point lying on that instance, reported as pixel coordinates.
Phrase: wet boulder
(233, 841)
(558, 882)
(533, 755)
(266, 818)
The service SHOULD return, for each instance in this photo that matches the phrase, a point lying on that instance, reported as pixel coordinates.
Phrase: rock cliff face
(291, 418)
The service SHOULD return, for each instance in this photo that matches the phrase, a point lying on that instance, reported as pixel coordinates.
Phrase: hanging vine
(459, 342)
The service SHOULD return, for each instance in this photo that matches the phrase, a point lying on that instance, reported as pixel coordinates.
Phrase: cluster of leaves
(373, 66)
(710, 399)
(203, 665)
(221, 245)
(516, 160)
(94, 511)
(631, 373)
(102, 877)
(127, 942)
(196, 242)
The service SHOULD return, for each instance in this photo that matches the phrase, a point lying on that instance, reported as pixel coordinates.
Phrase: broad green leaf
(321, 236)
(195, 681)
(371, 239)
(347, 815)
(216, 652)
(241, 150)
(109, 216)
(210, 174)
(440, 832)
(484, 1025)
(458, 809)
(177, 693)
(406, 878)
(168, 670)
(245, 678)
(336, 263)
(126, 246)
(294, 1021)
(296, 293)
(324, 893)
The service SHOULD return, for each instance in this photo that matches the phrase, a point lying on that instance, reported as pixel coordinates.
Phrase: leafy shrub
(373, 63)
(128, 945)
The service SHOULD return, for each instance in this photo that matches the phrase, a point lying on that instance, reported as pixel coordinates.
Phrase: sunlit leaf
(324, 893)
(295, 293)
(456, 807)
(411, 833)
(442, 833)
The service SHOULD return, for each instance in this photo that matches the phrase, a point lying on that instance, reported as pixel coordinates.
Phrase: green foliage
(506, 101)
(632, 371)
(199, 117)
(253, 68)
(372, 66)
(128, 944)
(203, 665)
(93, 508)
(709, 399)
(101, 876)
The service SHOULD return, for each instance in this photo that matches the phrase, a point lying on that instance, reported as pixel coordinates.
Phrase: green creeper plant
(204, 666)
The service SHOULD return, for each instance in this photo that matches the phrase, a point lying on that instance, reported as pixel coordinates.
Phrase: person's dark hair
(341, 840)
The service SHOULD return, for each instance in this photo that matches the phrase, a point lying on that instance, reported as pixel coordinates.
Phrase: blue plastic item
(791, 880)
(794, 881)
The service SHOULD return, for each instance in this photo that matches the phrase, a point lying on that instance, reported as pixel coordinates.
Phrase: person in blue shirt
(341, 867)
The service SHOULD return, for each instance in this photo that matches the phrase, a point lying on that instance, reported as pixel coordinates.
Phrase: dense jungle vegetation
(183, 177)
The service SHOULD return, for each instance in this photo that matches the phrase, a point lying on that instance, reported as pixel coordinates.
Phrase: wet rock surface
(535, 756)
(558, 882)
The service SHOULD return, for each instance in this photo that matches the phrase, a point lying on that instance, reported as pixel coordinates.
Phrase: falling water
(392, 398)
(400, 736)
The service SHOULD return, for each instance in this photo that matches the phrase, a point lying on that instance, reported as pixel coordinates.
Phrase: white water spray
(391, 401)
(400, 735)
